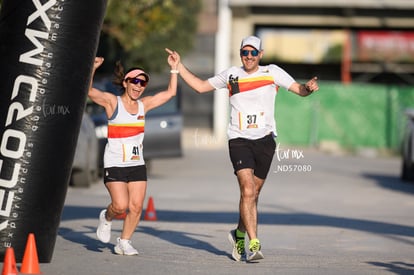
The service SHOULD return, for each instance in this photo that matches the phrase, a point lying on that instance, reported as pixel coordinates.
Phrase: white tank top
(125, 137)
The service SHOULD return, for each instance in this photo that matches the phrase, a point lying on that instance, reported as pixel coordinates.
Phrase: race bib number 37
(251, 121)
(132, 152)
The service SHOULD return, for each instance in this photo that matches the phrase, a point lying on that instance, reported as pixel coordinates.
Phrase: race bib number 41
(251, 121)
(132, 152)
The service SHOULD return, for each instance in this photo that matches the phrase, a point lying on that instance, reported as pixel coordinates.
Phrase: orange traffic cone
(150, 214)
(9, 263)
(30, 264)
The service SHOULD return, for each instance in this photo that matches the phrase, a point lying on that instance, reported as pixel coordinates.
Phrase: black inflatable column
(47, 48)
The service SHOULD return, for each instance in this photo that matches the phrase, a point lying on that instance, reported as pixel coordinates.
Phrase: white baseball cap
(253, 41)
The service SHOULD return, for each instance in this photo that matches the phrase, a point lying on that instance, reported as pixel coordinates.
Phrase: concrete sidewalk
(319, 214)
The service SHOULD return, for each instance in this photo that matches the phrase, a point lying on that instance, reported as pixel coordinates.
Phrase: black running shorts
(255, 154)
(125, 174)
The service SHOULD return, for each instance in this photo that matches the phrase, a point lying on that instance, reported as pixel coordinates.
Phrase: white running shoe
(254, 256)
(103, 232)
(124, 247)
(254, 248)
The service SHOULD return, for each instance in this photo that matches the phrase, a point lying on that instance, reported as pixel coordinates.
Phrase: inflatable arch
(46, 54)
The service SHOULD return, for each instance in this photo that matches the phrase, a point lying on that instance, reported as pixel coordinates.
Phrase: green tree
(138, 31)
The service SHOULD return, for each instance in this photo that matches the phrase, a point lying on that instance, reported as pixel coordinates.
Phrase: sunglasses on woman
(135, 81)
(246, 52)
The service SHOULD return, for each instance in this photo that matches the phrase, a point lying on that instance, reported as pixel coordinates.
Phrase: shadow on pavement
(392, 183)
(298, 219)
(186, 239)
(400, 268)
(82, 238)
(180, 238)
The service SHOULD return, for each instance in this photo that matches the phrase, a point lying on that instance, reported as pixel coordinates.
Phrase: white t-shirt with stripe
(252, 99)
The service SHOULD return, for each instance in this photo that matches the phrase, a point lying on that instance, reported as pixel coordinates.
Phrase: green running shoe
(254, 247)
(238, 246)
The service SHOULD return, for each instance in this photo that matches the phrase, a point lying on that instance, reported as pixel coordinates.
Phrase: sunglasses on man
(135, 81)
(246, 52)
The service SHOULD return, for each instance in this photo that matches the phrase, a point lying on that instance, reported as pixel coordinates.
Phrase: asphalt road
(319, 214)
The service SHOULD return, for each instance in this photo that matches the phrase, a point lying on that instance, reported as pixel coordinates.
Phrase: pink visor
(135, 73)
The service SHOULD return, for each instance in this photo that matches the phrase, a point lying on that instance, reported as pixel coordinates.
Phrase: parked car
(100, 122)
(85, 166)
(163, 125)
(407, 171)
